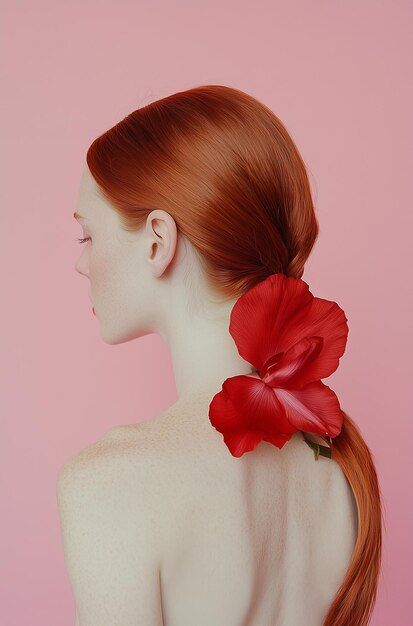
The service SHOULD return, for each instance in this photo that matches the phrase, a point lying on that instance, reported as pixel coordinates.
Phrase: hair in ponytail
(225, 168)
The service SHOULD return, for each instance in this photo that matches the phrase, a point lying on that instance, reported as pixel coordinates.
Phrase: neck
(203, 355)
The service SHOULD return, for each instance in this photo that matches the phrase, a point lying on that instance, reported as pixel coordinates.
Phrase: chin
(115, 339)
(118, 337)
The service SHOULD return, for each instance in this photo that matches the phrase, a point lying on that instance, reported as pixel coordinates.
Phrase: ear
(162, 233)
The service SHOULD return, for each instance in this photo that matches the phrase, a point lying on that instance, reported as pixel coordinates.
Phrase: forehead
(91, 205)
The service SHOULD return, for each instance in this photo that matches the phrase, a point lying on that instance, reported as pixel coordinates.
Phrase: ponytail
(354, 601)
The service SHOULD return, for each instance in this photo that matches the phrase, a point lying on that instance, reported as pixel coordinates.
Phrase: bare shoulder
(116, 459)
(109, 529)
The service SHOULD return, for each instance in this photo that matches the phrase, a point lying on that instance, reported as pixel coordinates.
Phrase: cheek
(107, 273)
(99, 270)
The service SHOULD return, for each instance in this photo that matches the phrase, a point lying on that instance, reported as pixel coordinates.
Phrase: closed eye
(83, 240)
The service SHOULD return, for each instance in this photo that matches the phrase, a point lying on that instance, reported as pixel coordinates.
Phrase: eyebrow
(78, 217)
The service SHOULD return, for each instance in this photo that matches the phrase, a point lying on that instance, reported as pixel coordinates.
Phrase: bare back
(260, 540)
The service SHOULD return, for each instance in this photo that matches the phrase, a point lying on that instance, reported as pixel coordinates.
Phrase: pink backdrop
(337, 74)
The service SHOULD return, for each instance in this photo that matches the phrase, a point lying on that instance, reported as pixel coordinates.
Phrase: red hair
(215, 155)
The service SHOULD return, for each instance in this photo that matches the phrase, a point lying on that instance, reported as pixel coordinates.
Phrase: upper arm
(110, 542)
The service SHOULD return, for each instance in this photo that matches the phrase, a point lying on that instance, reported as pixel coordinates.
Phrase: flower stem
(317, 448)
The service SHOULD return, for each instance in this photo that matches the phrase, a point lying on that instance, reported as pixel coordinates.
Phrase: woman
(198, 218)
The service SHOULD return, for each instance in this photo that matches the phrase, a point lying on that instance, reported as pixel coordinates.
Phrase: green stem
(317, 448)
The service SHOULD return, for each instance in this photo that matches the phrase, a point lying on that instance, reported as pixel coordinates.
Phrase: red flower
(293, 339)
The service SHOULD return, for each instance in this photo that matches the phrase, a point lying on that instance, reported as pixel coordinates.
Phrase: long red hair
(215, 155)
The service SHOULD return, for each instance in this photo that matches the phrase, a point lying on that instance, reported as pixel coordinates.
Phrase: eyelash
(84, 239)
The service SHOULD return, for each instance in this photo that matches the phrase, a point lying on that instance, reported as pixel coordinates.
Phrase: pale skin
(161, 525)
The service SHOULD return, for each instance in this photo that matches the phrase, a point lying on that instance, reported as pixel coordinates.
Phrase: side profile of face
(151, 281)
(121, 266)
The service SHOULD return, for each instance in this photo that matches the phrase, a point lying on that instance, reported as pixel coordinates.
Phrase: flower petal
(280, 311)
(314, 409)
(247, 411)
(285, 369)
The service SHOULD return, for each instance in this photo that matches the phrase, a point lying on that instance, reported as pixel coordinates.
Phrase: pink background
(338, 76)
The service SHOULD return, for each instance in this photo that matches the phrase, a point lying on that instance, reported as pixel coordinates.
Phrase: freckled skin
(259, 540)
